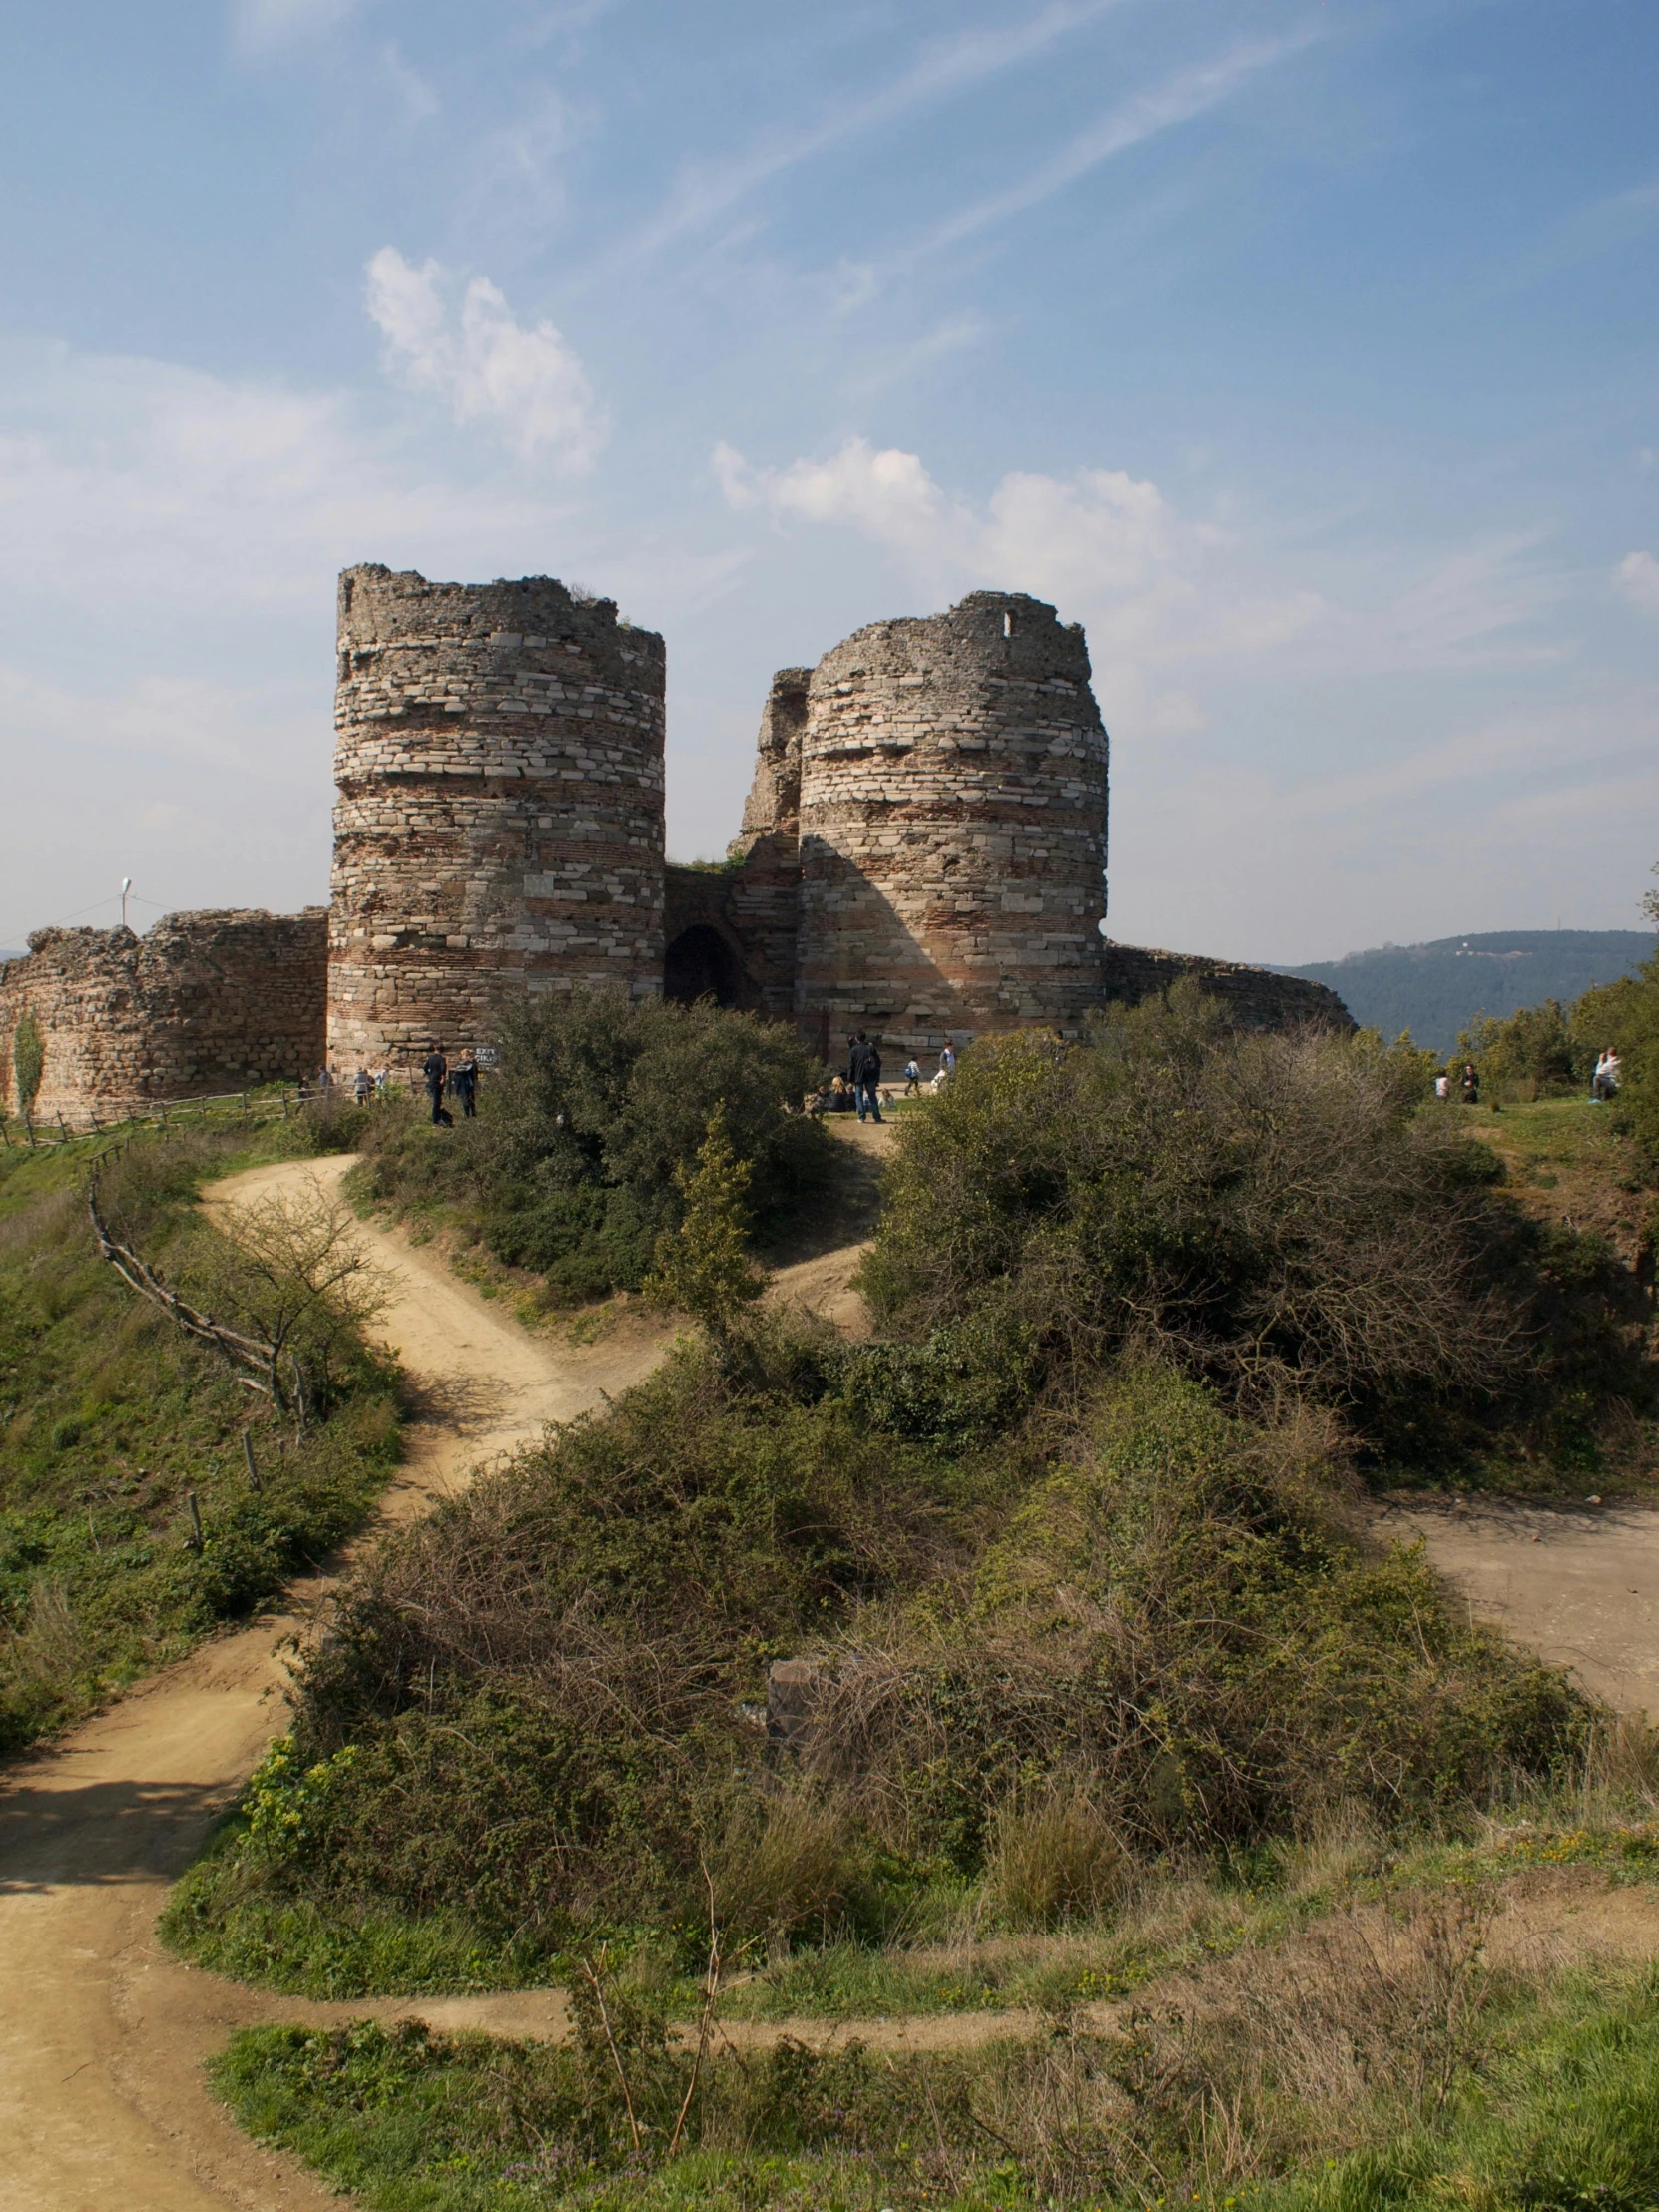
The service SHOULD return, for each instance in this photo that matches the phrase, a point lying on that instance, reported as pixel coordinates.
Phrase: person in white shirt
(1605, 1081)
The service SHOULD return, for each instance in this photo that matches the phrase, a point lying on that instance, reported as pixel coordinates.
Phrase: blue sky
(1302, 350)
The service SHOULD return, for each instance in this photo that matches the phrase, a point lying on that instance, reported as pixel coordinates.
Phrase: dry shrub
(51, 1650)
(1053, 1857)
(785, 1861)
(1180, 1617)
(1271, 2058)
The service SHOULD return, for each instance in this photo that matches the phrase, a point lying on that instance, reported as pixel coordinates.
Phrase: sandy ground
(102, 2035)
(1580, 1585)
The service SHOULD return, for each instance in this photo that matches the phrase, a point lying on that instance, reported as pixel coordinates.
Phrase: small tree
(29, 1059)
(291, 1271)
(703, 1266)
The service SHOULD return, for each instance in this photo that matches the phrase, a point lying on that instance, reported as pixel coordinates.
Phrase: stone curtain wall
(499, 759)
(952, 827)
(203, 1003)
(1253, 1000)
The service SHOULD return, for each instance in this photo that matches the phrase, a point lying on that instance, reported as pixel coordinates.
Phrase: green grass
(110, 1419)
(1554, 2106)
(1571, 2118)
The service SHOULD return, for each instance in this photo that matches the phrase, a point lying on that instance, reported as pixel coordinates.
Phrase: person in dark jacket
(463, 1081)
(867, 1074)
(436, 1072)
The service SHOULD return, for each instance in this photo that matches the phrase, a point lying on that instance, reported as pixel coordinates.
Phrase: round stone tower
(499, 758)
(952, 827)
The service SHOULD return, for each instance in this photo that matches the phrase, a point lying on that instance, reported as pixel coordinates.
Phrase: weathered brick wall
(1254, 998)
(953, 827)
(499, 759)
(773, 804)
(750, 908)
(202, 1002)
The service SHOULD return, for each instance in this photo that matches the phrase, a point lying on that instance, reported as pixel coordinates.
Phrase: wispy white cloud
(260, 26)
(486, 367)
(708, 190)
(1637, 576)
(1596, 226)
(1172, 602)
(1105, 547)
(412, 90)
(1180, 99)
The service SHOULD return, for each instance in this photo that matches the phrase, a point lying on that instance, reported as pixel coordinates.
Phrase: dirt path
(102, 2035)
(1580, 1585)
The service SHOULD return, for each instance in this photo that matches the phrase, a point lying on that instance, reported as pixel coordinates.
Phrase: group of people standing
(459, 1082)
(1604, 1083)
(858, 1087)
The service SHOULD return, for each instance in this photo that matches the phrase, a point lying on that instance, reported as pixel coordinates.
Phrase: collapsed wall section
(204, 1002)
(499, 821)
(1254, 998)
(953, 809)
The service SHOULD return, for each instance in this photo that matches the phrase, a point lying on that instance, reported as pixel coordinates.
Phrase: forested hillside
(1439, 988)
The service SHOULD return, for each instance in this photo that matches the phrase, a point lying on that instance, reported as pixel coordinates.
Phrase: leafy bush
(1534, 1053)
(1626, 1015)
(29, 1061)
(544, 1690)
(1273, 1211)
(575, 1166)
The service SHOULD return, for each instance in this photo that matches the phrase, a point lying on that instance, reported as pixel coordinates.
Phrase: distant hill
(1436, 989)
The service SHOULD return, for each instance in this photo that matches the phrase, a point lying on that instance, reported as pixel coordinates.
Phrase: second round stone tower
(953, 780)
(499, 823)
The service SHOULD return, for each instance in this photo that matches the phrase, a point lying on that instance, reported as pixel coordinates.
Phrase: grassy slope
(108, 1420)
(1556, 2107)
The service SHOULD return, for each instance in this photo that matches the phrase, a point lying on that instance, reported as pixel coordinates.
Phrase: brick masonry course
(202, 1003)
(500, 764)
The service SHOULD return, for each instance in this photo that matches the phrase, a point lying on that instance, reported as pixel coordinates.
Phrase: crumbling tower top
(954, 799)
(499, 758)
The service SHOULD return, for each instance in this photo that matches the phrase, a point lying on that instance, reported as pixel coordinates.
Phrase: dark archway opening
(701, 965)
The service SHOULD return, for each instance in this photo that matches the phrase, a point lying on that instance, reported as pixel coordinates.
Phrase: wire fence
(271, 1102)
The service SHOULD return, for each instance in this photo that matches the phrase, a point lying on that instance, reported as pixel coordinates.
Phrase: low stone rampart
(1254, 998)
(202, 1002)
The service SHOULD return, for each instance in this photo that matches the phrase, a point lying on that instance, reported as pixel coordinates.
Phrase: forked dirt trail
(102, 2035)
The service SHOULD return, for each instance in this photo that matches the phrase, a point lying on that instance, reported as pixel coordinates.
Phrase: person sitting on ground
(1604, 1084)
(841, 1094)
(436, 1073)
(867, 1077)
(912, 1079)
(1469, 1087)
(463, 1081)
(1442, 1086)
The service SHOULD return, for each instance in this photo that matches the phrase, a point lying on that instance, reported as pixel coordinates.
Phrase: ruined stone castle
(922, 856)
